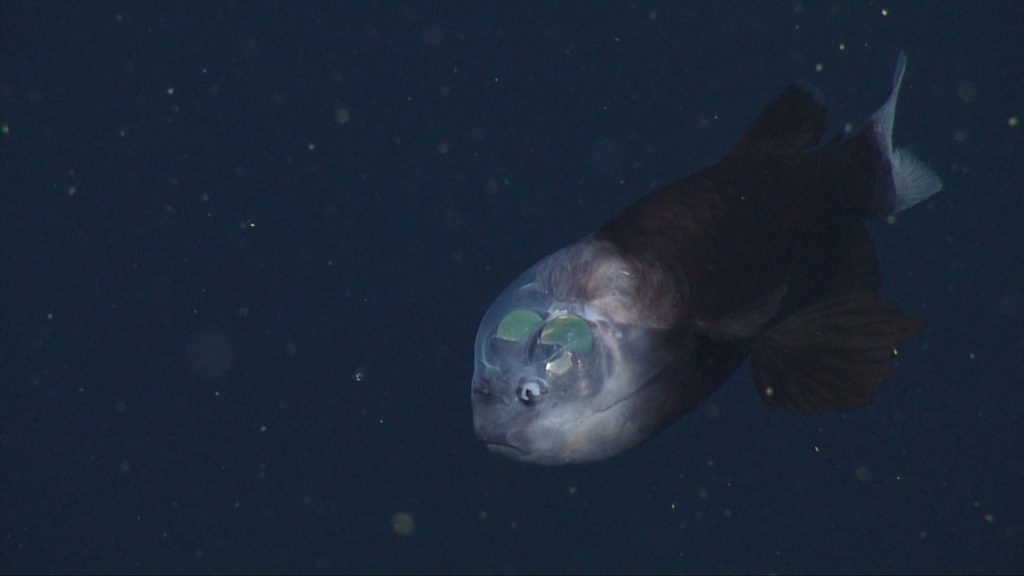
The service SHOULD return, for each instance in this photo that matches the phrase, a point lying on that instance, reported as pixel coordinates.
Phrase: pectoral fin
(831, 355)
(744, 323)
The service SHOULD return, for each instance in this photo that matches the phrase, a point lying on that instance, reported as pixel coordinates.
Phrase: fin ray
(832, 355)
(912, 181)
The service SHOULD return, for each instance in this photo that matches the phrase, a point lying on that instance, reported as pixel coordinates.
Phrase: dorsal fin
(793, 122)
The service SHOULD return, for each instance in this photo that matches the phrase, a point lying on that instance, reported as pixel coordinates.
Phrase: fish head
(562, 376)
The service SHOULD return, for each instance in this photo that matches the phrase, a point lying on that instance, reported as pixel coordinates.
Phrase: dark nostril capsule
(531, 391)
(482, 392)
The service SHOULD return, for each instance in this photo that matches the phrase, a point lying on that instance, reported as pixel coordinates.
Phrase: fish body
(763, 255)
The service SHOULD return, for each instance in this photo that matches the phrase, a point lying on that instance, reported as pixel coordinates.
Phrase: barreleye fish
(764, 255)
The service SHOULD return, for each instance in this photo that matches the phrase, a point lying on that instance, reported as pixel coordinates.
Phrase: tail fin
(911, 180)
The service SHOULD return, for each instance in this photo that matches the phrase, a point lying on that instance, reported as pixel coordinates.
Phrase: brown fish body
(763, 254)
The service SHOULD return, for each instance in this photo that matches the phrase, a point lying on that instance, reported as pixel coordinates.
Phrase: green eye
(570, 331)
(518, 325)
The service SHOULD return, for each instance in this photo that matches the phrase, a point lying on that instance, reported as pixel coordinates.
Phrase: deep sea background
(244, 247)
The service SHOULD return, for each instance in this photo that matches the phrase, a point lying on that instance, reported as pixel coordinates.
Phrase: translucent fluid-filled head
(556, 379)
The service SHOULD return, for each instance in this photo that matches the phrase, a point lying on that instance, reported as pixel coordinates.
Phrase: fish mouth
(505, 448)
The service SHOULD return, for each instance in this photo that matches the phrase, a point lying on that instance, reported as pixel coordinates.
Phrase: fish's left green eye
(518, 325)
(569, 331)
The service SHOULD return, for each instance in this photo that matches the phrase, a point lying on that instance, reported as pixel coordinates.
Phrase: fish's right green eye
(570, 331)
(518, 325)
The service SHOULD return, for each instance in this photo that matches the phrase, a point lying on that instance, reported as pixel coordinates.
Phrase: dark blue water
(245, 247)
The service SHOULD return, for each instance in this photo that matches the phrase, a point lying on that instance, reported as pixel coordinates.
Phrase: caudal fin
(910, 181)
